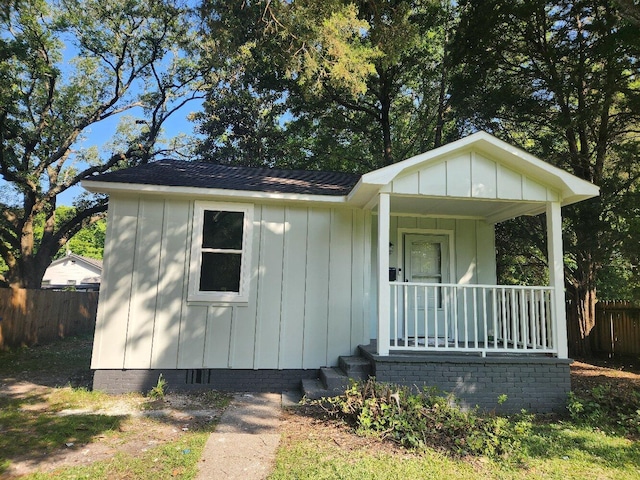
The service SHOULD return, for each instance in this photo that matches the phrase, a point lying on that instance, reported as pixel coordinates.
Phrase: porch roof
(478, 176)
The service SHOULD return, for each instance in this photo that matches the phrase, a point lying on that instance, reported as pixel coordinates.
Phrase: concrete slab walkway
(244, 444)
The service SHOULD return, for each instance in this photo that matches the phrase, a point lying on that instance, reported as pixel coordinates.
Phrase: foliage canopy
(66, 67)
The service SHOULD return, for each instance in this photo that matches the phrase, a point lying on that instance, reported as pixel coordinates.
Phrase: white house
(73, 271)
(253, 279)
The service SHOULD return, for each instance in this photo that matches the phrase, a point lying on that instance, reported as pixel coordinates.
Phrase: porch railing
(472, 318)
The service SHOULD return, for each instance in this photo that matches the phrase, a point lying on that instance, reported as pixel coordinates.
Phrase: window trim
(194, 292)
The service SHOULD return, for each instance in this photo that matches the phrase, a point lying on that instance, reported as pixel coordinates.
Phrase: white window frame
(194, 292)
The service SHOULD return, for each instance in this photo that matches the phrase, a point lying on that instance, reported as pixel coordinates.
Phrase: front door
(426, 261)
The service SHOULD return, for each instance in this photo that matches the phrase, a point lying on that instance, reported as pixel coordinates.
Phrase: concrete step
(355, 367)
(334, 380)
(313, 389)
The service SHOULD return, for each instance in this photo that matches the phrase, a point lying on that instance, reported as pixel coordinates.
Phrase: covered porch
(433, 251)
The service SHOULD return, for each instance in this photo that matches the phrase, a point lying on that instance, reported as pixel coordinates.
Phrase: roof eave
(182, 191)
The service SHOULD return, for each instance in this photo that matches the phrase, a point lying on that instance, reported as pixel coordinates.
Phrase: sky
(103, 132)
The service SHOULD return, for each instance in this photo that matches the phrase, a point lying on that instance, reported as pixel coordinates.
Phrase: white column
(556, 276)
(384, 291)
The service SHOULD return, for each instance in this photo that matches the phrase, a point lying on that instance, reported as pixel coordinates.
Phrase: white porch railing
(472, 318)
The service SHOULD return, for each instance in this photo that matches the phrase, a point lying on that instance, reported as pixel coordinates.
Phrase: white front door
(426, 261)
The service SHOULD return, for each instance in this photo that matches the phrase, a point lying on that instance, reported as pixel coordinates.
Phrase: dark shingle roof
(207, 175)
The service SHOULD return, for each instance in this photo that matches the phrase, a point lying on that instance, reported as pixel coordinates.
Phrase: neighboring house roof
(180, 173)
(93, 262)
(72, 267)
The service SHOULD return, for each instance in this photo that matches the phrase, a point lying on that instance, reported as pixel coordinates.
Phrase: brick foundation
(537, 384)
(124, 381)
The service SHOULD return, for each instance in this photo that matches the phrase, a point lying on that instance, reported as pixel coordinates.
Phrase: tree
(66, 67)
(88, 242)
(630, 9)
(561, 79)
(327, 85)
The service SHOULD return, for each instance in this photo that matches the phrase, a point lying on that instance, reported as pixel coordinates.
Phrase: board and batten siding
(308, 290)
(472, 175)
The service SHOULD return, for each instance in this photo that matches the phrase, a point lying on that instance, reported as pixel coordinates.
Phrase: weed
(427, 418)
(158, 392)
(214, 399)
(605, 408)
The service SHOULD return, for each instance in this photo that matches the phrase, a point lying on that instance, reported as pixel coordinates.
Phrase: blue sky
(101, 133)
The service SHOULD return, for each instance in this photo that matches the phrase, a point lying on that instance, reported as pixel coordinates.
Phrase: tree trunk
(385, 120)
(588, 251)
(581, 319)
(28, 273)
(31, 265)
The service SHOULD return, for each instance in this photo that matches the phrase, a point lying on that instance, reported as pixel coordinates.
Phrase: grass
(321, 459)
(171, 460)
(31, 425)
(364, 434)
(36, 423)
(554, 451)
(66, 357)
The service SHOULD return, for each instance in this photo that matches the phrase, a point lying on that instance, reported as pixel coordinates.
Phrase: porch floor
(369, 351)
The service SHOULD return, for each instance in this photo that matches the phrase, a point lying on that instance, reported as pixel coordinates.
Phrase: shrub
(604, 407)
(427, 418)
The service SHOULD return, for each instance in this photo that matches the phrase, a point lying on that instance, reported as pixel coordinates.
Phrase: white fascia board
(164, 190)
(362, 194)
(384, 175)
(573, 189)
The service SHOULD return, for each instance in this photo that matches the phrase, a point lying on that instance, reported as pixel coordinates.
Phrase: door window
(426, 260)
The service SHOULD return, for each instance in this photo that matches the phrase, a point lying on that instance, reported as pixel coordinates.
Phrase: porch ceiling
(492, 211)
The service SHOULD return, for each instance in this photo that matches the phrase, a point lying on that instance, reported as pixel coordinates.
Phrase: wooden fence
(617, 329)
(29, 317)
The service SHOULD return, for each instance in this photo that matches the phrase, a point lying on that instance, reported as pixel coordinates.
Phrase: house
(73, 271)
(255, 279)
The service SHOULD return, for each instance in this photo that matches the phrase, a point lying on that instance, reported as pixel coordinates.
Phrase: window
(220, 252)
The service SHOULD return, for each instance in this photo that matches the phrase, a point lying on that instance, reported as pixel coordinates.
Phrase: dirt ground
(622, 374)
(164, 421)
(145, 425)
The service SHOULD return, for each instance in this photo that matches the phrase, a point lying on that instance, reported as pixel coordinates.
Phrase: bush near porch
(601, 441)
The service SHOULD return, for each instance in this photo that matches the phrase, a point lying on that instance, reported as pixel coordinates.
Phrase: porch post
(384, 291)
(556, 276)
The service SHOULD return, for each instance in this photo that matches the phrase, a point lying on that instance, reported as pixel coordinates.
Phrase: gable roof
(477, 176)
(179, 173)
(571, 188)
(92, 262)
